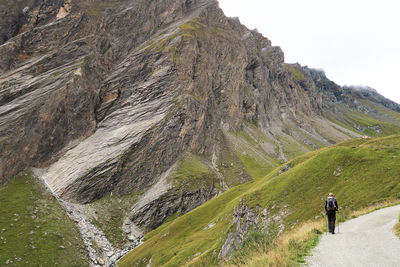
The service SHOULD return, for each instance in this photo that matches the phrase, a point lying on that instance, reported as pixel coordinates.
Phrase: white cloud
(355, 42)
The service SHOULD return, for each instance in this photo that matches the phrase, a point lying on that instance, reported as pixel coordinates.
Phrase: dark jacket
(336, 204)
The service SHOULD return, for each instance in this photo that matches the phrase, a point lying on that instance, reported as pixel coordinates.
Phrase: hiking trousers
(331, 221)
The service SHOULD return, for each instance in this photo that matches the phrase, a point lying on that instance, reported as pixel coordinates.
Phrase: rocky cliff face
(111, 96)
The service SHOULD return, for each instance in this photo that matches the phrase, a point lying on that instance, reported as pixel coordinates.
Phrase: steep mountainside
(162, 104)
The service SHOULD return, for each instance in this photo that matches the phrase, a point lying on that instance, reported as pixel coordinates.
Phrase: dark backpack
(330, 203)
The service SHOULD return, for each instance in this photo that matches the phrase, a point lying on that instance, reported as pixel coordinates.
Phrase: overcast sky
(356, 42)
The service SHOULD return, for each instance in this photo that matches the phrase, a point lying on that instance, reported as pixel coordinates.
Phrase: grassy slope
(247, 148)
(34, 229)
(388, 120)
(193, 175)
(366, 173)
(259, 153)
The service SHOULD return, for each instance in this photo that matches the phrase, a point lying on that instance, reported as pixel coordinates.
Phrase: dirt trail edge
(365, 241)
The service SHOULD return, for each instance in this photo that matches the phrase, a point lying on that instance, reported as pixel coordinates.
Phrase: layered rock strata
(108, 96)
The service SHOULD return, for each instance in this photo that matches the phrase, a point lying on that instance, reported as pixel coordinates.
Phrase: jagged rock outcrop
(371, 95)
(246, 220)
(107, 96)
(168, 205)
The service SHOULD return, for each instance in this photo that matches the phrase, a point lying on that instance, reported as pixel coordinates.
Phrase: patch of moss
(193, 28)
(164, 43)
(197, 97)
(34, 228)
(100, 6)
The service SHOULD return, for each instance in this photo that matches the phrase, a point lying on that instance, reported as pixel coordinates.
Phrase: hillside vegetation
(361, 172)
(34, 229)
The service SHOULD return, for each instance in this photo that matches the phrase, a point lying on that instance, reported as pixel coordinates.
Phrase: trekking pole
(338, 223)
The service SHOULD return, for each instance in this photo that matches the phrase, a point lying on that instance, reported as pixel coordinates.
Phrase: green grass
(247, 145)
(257, 241)
(298, 250)
(369, 175)
(382, 110)
(254, 167)
(245, 136)
(229, 164)
(192, 175)
(291, 148)
(34, 229)
(365, 121)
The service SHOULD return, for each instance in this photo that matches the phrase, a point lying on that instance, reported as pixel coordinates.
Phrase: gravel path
(365, 241)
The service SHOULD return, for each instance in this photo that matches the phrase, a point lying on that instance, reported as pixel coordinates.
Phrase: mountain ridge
(181, 103)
